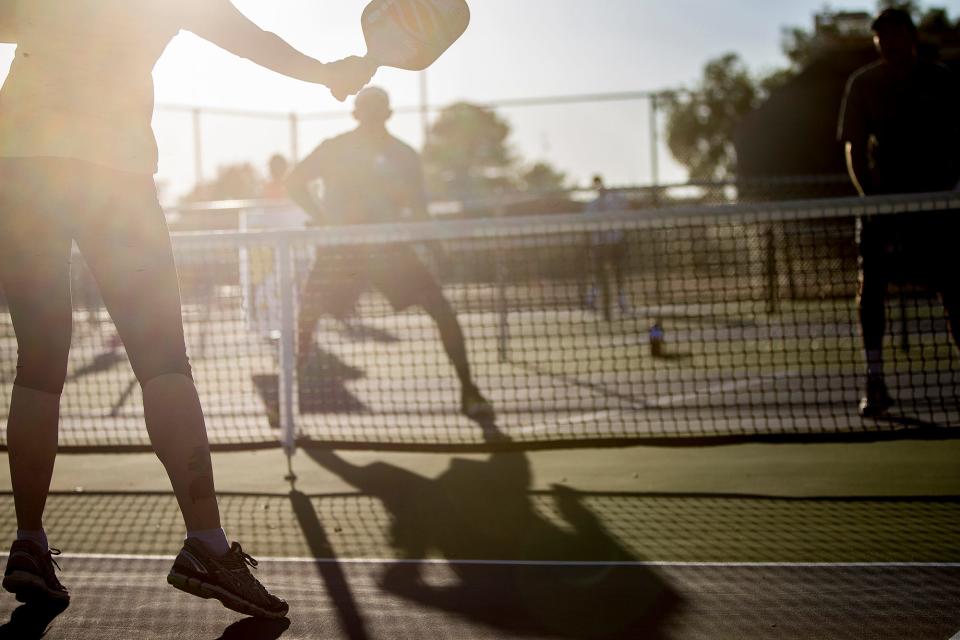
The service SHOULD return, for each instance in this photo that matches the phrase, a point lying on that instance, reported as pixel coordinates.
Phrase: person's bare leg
(32, 429)
(179, 436)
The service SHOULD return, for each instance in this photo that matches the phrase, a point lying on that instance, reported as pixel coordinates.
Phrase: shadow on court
(30, 621)
(525, 574)
(322, 388)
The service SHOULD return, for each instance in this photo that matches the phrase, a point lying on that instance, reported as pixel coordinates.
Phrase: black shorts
(920, 248)
(341, 275)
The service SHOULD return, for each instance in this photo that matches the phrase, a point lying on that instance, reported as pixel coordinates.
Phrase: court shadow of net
(507, 565)
(31, 621)
(322, 388)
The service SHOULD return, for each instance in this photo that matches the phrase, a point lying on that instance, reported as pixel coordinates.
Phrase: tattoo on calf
(201, 487)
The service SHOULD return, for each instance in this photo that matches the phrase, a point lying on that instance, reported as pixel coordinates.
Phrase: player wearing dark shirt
(900, 124)
(371, 177)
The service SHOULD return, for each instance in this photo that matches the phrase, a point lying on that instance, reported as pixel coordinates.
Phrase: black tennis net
(671, 325)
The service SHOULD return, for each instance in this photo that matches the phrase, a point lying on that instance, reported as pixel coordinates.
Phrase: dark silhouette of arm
(854, 133)
(301, 179)
(858, 167)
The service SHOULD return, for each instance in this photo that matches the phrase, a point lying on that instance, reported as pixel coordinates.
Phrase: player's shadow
(31, 621)
(322, 387)
(525, 564)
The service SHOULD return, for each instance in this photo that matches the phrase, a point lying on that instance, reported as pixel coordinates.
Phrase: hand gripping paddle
(412, 34)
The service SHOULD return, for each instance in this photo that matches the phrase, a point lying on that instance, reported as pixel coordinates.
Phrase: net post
(294, 138)
(503, 312)
(287, 378)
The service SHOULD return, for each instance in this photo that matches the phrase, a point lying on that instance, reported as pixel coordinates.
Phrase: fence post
(294, 138)
(655, 147)
(197, 147)
(503, 302)
(288, 365)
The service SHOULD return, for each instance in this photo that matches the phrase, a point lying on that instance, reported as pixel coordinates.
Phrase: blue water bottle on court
(656, 340)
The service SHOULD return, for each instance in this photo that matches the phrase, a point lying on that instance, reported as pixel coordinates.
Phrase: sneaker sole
(27, 587)
(209, 591)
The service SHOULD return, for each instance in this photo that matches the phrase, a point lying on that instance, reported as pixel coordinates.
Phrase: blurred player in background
(608, 252)
(371, 177)
(900, 125)
(77, 159)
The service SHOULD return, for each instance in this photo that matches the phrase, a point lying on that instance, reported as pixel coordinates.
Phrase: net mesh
(673, 325)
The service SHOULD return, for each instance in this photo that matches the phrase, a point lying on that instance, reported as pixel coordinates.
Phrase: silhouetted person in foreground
(608, 251)
(77, 156)
(371, 177)
(900, 124)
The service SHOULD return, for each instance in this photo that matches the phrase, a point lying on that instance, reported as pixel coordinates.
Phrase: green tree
(543, 178)
(700, 125)
(467, 155)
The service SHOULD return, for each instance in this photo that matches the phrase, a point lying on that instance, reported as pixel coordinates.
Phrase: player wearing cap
(900, 127)
(369, 176)
(77, 156)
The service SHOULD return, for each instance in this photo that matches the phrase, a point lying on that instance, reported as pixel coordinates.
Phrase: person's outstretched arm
(8, 27)
(222, 24)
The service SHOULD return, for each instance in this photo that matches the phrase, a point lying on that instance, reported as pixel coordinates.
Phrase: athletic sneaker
(475, 406)
(877, 399)
(30, 574)
(225, 578)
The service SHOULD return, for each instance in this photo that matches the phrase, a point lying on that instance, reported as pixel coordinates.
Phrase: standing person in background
(276, 188)
(77, 159)
(900, 126)
(608, 251)
(369, 176)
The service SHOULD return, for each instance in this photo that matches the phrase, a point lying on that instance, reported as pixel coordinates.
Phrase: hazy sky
(514, 48)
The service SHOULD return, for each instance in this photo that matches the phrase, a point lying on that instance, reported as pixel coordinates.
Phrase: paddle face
(412, 34)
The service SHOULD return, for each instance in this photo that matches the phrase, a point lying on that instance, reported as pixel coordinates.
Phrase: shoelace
(54, 552)
(243, 561)
(237, 551)
(52, 575)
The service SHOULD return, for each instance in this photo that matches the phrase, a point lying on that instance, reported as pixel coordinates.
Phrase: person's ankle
(214, 540)
(37, 537)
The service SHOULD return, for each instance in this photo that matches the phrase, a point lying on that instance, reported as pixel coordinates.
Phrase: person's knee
(42, 370)
(178, 367)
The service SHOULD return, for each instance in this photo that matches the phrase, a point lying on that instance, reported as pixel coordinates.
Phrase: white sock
(875, 363)
(214, 539)
(39, 538)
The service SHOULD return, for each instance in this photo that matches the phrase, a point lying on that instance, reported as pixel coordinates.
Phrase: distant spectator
(276, 188)
(608, 251)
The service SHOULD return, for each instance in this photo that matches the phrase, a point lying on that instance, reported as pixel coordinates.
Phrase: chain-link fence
(619, 135)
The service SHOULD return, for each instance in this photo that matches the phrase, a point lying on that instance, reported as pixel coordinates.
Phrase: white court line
(557, 563)
(716, 389)
(659, 402)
